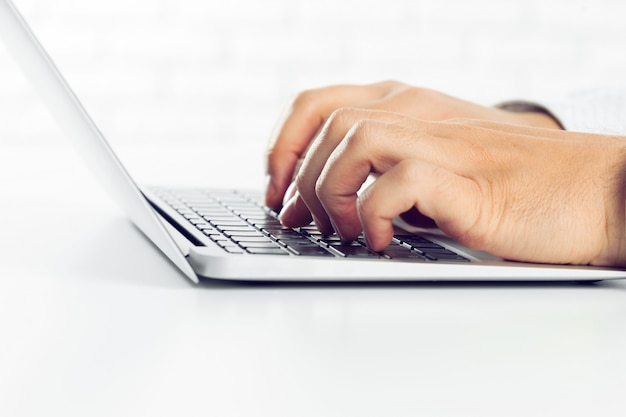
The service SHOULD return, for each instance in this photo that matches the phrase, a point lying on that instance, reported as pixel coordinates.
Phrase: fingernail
(286, 213)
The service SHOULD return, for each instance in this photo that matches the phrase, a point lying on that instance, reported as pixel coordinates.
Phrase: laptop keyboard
(240, 225)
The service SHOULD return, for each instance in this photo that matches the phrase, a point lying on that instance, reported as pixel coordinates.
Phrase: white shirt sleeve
(597, 111)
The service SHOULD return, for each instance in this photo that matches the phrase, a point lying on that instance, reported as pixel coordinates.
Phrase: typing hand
(311, 109)
(518, 192)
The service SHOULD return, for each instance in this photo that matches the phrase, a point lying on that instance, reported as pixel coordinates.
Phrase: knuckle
(365, 204)
(388, 85)
(359, 133)
(408, 171)
(413, 93)
(306, 184)
(342, 115)
(309, 101)
(323, 189)
(305, 99)
(344, 123)
(329, 195)
(319, 188)
(304, 187)
(301, 183)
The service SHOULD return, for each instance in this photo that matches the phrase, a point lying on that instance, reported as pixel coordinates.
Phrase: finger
(299, 124)
(355, 142)
(333, 133)
(452, 201)
(369, 146)
(376, 146)
(295, 213)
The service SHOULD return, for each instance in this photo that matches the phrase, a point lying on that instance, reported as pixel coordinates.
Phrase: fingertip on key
(286, 215)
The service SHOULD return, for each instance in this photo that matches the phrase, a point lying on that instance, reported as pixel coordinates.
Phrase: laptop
(225, 234)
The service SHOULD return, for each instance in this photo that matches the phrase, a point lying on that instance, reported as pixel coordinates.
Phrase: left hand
(311, 109)
(521, 193)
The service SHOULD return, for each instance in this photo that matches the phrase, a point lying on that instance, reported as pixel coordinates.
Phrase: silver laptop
(230, 235)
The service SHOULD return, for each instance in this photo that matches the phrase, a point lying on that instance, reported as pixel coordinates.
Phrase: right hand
(311, 109)
(520, 193)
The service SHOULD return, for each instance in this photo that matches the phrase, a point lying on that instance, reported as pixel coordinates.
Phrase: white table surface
(95, 322)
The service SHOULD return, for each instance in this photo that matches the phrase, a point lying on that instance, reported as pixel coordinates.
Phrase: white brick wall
(194, 71)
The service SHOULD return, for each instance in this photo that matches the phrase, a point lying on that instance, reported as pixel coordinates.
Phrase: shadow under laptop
(118, 253)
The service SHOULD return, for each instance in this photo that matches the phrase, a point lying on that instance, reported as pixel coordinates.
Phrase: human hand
(311, 109)
(521, 193)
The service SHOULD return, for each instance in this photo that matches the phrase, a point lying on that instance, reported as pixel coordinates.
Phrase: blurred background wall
(206, 72)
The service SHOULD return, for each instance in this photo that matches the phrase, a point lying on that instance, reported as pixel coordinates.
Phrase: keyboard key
(298, 242)
(233, 227)
(227, 244)
(220, 240)
(356, 251)
(284, 233)
(212, 232)
(453, 257)
(305, 250)
(403, 254)
(427, 245)
(258, 244)
(339, 243)
(191, 216)
(241, 233)
(215, 214)
(234, 249)
(229, 222)
(421, 244)
(436, 251)
(268, 251)
(235, 222)
(267, 223)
